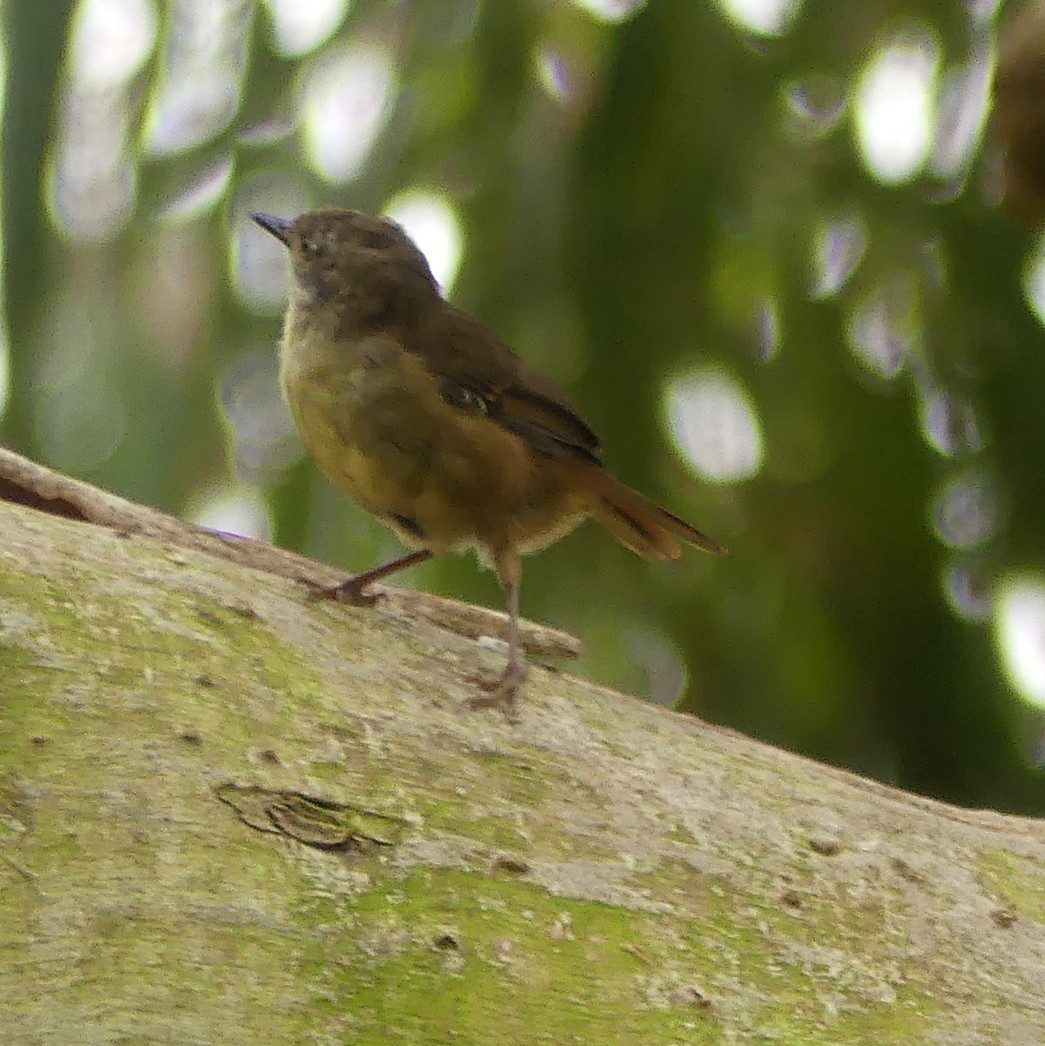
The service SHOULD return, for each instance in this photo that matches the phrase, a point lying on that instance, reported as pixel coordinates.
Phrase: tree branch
(231, 813)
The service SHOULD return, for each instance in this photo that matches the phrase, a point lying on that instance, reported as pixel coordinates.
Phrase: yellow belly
(443, 478)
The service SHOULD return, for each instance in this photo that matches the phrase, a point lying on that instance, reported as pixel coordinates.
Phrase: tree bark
(230, 813)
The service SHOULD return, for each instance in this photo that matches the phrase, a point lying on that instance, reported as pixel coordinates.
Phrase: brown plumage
(427, 419)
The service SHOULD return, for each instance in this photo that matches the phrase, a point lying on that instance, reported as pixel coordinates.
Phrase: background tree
(757, 243)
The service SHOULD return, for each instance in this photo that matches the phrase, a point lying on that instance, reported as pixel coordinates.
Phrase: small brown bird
(423, 416)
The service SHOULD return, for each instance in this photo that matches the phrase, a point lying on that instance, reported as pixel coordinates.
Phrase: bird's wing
(476, 370)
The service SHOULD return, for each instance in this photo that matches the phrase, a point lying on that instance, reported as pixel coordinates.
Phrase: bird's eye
(377, 240)
(308, 246)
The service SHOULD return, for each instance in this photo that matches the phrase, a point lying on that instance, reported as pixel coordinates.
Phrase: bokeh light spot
(814, 106)
(5, 367)
(838, 248)
(202, 73)
(714, 425)
(431, 222)
(965, 591)
(882, 329)
(110, 41)
(652, 651)
(611, 10)
(202, 192)
(982, 11)
(234, 510)
(1019, 622)
(92, 178)
(1034, 280)
(553, 73)
(894, 107)
(92, 187)
(964, 103)
(300, 26)
(768, 333)
(949, 423)
(348, 99)
(965, 513)
(78, 432)
(765, 17)
(264, 440)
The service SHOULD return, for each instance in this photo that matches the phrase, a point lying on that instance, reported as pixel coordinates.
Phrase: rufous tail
(641, 524)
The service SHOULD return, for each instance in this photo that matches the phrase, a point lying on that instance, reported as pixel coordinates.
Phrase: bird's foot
(502, 694)
(351, 591)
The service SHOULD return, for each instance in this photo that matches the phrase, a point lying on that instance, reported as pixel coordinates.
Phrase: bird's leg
(503, 692)
(351, 590)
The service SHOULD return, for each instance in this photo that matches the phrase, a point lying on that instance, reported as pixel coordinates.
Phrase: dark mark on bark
(319, 823)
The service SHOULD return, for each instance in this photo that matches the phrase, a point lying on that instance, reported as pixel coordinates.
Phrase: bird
(425, 417)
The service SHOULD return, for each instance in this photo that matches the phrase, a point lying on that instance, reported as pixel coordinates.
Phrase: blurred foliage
(648, 195)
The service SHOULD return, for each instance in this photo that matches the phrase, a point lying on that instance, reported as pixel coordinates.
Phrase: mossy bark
(229, 813)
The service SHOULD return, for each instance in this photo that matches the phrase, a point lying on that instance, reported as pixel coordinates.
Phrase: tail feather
(641, 524)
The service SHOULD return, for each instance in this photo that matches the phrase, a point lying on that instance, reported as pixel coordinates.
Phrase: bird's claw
(502, 693)
(351, 591)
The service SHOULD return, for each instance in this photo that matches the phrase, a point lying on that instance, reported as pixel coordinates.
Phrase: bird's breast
(373, 418)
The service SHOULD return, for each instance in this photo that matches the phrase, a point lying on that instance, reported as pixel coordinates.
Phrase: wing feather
(477, 370)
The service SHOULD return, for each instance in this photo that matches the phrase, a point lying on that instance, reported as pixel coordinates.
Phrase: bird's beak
(279, 227)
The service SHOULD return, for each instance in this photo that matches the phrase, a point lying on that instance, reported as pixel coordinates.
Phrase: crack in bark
(320, 823)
